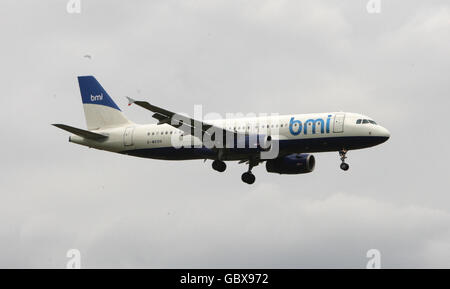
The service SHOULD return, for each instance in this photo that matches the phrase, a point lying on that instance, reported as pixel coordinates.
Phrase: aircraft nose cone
(384, 134)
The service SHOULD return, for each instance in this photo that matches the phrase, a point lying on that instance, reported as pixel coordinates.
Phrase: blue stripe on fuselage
(310, 145)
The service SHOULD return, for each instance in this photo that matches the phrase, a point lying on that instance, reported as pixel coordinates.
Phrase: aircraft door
(338, 125)
(128, 136)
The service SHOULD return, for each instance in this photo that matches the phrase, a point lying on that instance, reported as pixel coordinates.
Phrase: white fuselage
(283, 142)
(298, 133)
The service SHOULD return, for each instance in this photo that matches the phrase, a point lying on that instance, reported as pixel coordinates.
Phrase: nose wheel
(342, 155)
(345, 166)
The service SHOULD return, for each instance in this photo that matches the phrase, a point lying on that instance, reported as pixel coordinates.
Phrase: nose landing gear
(344, 165)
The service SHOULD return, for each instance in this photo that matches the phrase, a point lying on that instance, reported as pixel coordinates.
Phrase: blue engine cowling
(292, 164)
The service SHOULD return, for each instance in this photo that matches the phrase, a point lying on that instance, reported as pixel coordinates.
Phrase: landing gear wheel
(344, 166)
(219, 166)
(343, 156)
(248, 178)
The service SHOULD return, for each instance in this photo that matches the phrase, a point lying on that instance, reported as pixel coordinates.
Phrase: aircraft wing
(186, 124)
(194, 127)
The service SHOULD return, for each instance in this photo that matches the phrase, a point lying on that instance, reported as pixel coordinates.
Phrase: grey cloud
(229, 56)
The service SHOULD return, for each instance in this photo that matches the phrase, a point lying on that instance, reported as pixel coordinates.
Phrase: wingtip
(130, 100)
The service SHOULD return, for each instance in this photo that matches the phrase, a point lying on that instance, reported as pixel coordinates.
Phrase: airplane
(284, 142)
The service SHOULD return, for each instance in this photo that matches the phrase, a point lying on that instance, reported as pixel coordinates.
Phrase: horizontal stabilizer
(81, 132)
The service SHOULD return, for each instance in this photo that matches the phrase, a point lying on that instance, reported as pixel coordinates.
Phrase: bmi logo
(95, 98)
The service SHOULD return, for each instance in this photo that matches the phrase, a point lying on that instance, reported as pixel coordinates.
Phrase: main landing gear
(219, 166)
(344, 165)
(248, 177)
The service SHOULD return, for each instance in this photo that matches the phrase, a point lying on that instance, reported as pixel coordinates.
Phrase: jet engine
(291, 164)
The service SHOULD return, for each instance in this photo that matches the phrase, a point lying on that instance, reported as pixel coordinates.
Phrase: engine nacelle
(292, 164)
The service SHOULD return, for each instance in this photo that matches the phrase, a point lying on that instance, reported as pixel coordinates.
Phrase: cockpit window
(360, 121)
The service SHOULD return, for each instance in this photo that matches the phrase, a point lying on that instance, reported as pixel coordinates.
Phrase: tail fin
(99, 108)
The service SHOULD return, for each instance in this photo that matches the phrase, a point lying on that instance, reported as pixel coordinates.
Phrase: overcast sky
(229, 56)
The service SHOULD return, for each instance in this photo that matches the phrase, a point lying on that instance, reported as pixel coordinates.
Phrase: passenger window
(358, 121)
(365, 121)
